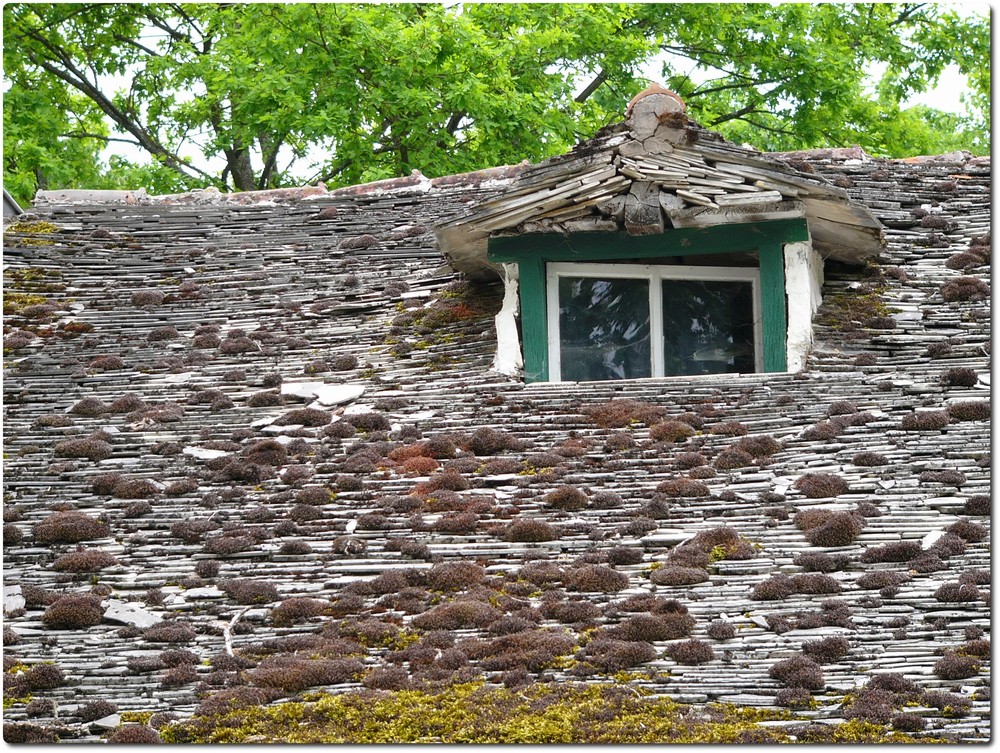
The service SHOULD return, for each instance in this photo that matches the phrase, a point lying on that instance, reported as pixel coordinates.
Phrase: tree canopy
(249, 96)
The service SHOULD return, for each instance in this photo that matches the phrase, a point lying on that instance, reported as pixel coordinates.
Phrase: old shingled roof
(261, 426)
(659, 170)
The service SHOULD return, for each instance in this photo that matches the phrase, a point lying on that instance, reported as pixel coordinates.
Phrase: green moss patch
(474, 713)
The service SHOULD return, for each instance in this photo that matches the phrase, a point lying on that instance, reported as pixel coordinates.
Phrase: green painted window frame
(533, 252)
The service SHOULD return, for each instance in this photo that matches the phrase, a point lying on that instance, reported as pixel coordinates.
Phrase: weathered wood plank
(642, 210)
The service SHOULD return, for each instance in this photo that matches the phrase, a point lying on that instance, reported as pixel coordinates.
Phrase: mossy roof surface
(347, 290)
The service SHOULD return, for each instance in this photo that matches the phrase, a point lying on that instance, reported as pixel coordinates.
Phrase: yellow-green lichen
(26, 228)
(142, 717)
(474, 713)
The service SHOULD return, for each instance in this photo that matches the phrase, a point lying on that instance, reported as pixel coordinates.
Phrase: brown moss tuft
(304, 416)
(249, 591)
(83, 561)
(457, 615)
(728, 429)
(954, 667)
(759, 446)
(597, 578)
(868, 459)
(670, 431)
(970, 410)
(530, 531)
(691, 652)
(960, 377)
(821, 485)
(732, 458)
(70, 527)
(620, 413)
(683, 487)
(965, 289)
(91, 448)
(798, 672)
(486, 441)
(169, 631)
(73, 612)
(569, 498)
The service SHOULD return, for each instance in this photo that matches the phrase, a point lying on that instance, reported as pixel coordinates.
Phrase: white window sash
(654, 274)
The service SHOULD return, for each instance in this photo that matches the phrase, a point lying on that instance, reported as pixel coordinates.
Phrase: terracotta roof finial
(654, 88)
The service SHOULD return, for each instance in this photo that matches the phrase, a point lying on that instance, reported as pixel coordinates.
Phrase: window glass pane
(707, 327)
(604, 328)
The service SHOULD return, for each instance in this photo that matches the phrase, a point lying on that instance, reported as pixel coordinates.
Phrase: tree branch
(735, 115)
(593, 86)
(269, 162)
(70, 74)
(99, 137)
(134, 43)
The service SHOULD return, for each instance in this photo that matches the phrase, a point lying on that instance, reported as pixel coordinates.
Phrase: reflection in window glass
(707, 327)
(604, 328)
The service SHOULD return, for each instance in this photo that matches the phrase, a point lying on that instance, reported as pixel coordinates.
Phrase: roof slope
(154, 358)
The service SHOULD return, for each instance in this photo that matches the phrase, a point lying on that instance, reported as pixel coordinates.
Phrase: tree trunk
(241, 169)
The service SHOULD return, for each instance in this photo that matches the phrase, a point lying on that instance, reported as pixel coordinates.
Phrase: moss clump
(311, 417)
(965, 289)
(93, 448)
(70, 527)
(691, 652)
(847, 310)
(728, 429)
(670, 431)
(820, 485)
(568, 498)
(970, 410)
(924, 420)
(169, 631)
(954, 667)
(656, 627)
(598, 578)
(472, 713)
(134, 734)
(676, 576)
(683, 487)
(896, 551)
(455, 576)
(759, 446)
(733, 458)
(249, 591)
(456, 615)
(74, 612)
(84, 561)
(621, 413)
(530, 531)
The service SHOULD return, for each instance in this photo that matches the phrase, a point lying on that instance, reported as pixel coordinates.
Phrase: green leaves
(280, 93)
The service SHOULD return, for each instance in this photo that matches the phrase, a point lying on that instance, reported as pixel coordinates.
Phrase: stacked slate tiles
(291, 399)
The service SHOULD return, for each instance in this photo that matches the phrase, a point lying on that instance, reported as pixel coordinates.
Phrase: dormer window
(658, 250)
(629, 321)
(690, 301)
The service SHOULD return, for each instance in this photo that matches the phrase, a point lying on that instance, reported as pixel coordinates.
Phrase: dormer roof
(658, 170)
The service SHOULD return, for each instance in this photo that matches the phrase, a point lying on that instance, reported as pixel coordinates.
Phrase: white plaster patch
(179, 378)
(355, 410)
(507, 360)
(280, 429)
(12, 599)
(803, 289)
(203, 453)
(129, 613)
(931, 539)
(324, 394)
